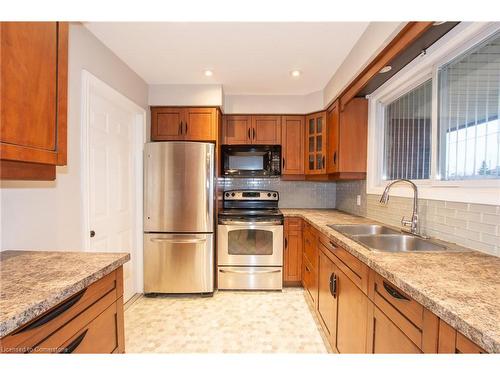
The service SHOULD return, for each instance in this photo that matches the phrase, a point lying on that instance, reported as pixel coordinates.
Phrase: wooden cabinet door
(292, 257)
(266, 130)
(333, 125)
(237, 130)
(327, 302)
(310, 280)
(167, 124)
(385, 337)
(34, 66)
(292, 145)
(315, 143)
(352, 314)
(353, 134)
(200, 124)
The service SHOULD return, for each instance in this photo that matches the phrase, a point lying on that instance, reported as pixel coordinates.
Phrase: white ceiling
(246, 58)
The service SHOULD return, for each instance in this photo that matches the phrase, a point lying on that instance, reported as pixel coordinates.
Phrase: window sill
(445, 192)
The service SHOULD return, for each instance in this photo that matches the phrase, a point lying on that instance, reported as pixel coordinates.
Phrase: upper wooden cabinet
(347, 140)
(252, 129)
(266, 130)
(315, 143)
(292, 145)
(33, 102)
(183, 123)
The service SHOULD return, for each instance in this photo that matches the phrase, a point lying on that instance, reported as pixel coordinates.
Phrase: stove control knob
(274, 195)
(232, 194)
(227, 194)
(268, 194)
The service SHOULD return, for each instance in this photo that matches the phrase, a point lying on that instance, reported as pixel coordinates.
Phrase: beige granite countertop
(32, 282)
(462, 287)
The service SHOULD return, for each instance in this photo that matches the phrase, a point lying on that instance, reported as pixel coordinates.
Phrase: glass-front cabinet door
(315, 143)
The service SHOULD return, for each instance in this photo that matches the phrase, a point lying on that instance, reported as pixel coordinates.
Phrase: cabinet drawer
(38, 329)
(293, 223)
(355, 269)
(96, 331)
(310, 249)
(386, 294)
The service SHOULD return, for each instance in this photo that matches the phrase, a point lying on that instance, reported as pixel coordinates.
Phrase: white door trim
(139, 137)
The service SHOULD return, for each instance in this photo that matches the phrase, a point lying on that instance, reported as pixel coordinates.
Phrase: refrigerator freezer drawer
(178, 263)
(256, 278)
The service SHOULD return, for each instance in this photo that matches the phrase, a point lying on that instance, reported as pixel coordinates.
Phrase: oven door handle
(249, 272)
(250, 223)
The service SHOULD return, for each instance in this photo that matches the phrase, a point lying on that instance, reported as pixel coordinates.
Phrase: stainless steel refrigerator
(179, 217)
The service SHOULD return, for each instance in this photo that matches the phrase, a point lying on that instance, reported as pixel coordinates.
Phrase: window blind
(407, 140)
(469, 104)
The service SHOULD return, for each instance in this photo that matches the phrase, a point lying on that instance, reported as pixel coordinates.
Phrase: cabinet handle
(335, 157)
(54, 313)
(307, 269)
(323, 162)
(286, 243)
(75, 343)
(394, 293)
(186, 130)
(334, 245)
(253, 131)
(179, 132)
(333, 285)
(249, 133)
(283, 163)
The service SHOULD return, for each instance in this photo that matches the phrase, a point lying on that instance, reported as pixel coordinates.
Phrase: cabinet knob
(92, 233)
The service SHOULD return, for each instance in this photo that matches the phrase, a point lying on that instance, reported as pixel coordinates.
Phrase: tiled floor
(230, 322)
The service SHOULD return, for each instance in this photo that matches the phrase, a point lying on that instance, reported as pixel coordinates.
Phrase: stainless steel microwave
(251, 160)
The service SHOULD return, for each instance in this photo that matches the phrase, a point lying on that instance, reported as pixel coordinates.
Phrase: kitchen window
(436, 122)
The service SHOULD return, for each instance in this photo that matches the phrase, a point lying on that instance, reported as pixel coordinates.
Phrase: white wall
(299, 104)
(194, 95)
(376, 36)
(47, 215)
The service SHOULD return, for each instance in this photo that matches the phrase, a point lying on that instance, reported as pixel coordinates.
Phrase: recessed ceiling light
(295, 73)
(385, 69)
(208, 73)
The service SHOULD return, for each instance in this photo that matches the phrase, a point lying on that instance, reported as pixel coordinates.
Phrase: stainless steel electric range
(250, 241)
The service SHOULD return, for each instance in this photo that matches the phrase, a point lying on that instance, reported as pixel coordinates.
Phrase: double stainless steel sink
(381, 238)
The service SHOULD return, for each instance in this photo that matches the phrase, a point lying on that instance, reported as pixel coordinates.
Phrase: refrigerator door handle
(179, 240)
(246, 272)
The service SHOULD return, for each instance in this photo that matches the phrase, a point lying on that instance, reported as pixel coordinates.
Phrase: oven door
(250, 244)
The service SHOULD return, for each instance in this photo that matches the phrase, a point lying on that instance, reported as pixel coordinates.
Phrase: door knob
(92, 233)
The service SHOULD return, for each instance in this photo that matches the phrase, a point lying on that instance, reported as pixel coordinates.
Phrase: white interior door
(111, 179)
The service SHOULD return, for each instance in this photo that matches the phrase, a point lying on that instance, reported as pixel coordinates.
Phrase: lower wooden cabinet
(292, 252)
(385, 336)
(362, 312)
(91, 321)
(451, 341)
(342, 306)
(352, 309)
(327, 301)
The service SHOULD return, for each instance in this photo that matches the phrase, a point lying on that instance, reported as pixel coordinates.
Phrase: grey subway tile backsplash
(472, 225)
(293, 194)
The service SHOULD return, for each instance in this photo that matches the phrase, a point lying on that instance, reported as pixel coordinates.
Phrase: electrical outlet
(358, 200)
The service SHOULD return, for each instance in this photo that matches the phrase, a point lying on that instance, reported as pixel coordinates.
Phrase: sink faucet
(413, 222)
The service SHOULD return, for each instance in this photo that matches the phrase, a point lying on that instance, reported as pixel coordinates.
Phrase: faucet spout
(413, 222)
